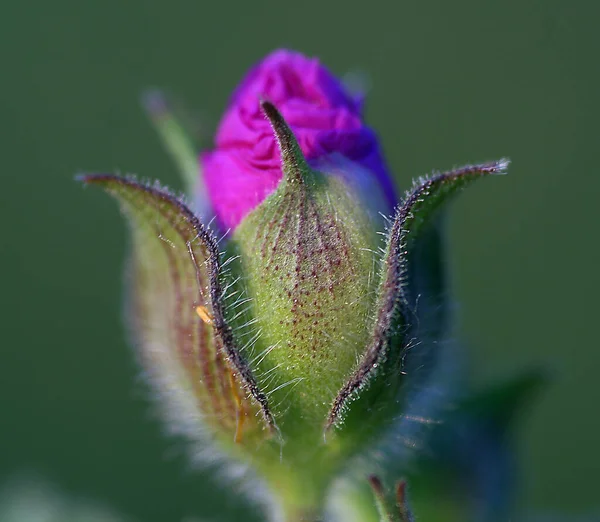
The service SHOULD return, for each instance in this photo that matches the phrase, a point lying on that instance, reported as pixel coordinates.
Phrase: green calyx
(296, 349)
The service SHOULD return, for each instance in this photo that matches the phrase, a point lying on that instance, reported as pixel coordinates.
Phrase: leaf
(500, 404)
(177, 319)
(391, 338)
(470, 463)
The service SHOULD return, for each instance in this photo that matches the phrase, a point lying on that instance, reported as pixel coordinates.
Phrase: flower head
(245, 166)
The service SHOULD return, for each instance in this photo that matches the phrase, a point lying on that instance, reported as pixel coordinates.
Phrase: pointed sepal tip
(295, 167)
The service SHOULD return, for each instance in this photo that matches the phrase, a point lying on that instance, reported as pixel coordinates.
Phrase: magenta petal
(234, 188)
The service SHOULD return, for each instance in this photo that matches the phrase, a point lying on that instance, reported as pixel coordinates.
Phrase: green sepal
(384, 377)
(175, 311)
(307, 255)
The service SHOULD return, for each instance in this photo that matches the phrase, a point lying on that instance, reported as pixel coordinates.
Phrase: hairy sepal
(387, 371)
(177, 318)
(308, 256)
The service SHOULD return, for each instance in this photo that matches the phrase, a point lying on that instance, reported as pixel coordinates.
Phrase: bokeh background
(451, 82)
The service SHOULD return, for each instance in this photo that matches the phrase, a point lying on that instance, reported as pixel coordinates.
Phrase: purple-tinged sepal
(308, 255)
(175, 312)
(389, 369)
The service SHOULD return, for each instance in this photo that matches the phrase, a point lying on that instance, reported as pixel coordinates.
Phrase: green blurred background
(451, 82)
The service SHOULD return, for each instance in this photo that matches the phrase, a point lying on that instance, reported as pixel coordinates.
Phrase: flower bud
(292, 345)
